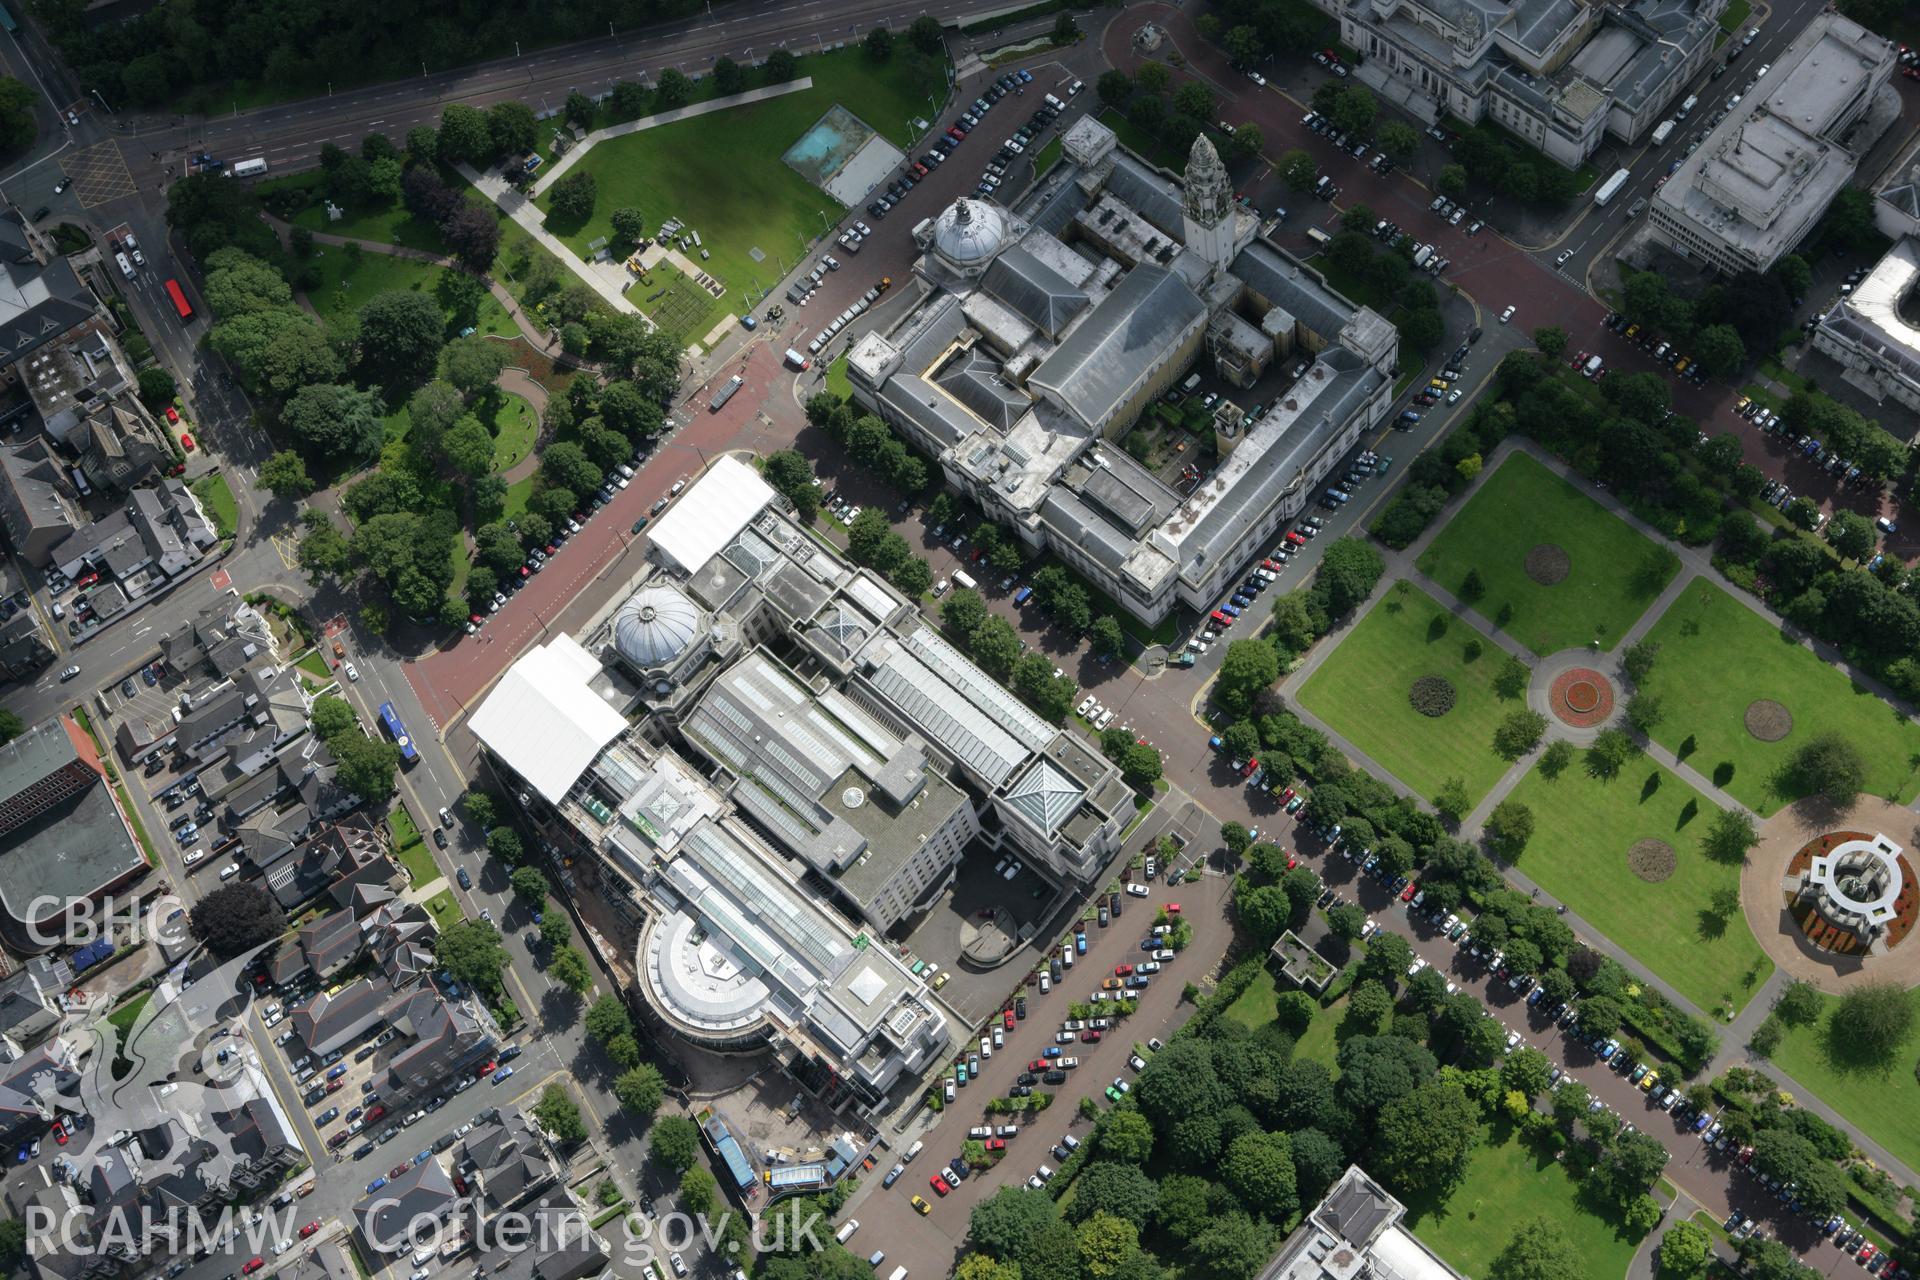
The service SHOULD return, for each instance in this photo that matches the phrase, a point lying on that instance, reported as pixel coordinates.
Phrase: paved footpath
(1694, 566)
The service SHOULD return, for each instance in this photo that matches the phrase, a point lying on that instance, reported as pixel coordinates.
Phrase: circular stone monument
(1548, 565)
(1768, 720)
(1581, 697)
(1652, 860)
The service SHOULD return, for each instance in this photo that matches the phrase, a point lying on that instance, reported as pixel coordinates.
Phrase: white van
(847, 1228)
(126, 268)
(962, 579)
(912, 1151)
(1066, 955)
(899, 1273)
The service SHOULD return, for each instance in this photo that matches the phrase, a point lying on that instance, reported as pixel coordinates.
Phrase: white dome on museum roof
(969, 232)
(655, 626)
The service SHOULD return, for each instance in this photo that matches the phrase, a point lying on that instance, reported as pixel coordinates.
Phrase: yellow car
(921, 1207)
(941, 981)
(1648, 1080)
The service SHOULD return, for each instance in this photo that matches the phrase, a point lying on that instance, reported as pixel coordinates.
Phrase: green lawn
(216, 495)
(1361, 690)
(1508, 1184)
(314, 661)
(1887, 1105)
(410, 849)
(1140, 142)
(723, 176)
(517, 494)
(514, 427)
(346, 286)
(386, 221)
(1043, 158)
(1735, 17)
(1614, 575)
(1717, 656)
(837, 383)
(1583, 828)
(444, 910)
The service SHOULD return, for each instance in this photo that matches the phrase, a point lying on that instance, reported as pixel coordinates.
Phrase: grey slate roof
(1294, 289)
(38, 304)
(977, 380)
(928, 407)
(1046, 299)
(1153, 195)
(1104, 360)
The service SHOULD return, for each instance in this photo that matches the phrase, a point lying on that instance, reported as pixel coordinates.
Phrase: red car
(1006, 1018)
(488, 1069)
(939, 1185)
(309, 1229)
(1406, 894)
(1038, 1065)
(1122, 970)
(1089, 1037)
(1286, 795)
(957, 136)
(1172, 908)
(333, 1086)
(1292, 862)
(995, 1144)
(173, 415)
(400, 1168)
(186, 441)
(376, 1113)
(1294, 536)
(60, 1134)
(252, 1267)
(86, 580)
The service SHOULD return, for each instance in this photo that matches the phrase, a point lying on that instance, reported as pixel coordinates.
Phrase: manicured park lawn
(517, 494)
(1885, 1106)
(1614, 573)
(514, 427)
(444, 909)
(723, 176)
(1717, 657)
(385, 221)
(1361, 691)
(1583, 828)
(1507, 1185)
(346, 286)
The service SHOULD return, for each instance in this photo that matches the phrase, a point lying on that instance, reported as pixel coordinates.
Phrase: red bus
(179, 300)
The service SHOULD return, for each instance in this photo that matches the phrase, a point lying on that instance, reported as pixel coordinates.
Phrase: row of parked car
(1665, 352)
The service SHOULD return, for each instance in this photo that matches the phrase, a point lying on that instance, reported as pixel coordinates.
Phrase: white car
(1137, 890)
(1506, 315)
(229, 871)
(353, 672)
(194, 856)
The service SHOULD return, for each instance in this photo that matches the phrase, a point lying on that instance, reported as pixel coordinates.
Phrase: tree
(1452, 181)
(671, 90)
(1346, 921)
(1730, 835)
(1509, 827)
(401, 333)
(878, 44)
(1349, 570)
(1398, 139)
(1375, 1070)
(1354, 110)
(1539, 1250)
(1610, 752)
(1601, 1015)
(568, 967)
(1828, 766)
(1249, 668)
(927, 34)
(365, 766)
(674, 1142)
(1109, 1187)
(1105, 1242)
(1004, 1225)
(728, 76)
(323, 548)
(1551, 340)
(328, 420)
(512, 128)
(1644, 711)
(529, 885)
(570, 200)
(1871, 1024)
(1258, 1168)
(1525, 1072)
(1128, 1136)
(640, 1089)
(559, 1116)
(468, 448)
(1105, 637)
(237, 917)
(554, 929)
(470, 950)
(1245, 143)
(1684, 1251)
(285, 475)
(1195, 99)
(1422, 1140)
(17, 126)
(1519, 732)
(1298, 170)
(1452, 799)
(1851, 534)
(1720, 349)
(471, 364)
(1637, 660)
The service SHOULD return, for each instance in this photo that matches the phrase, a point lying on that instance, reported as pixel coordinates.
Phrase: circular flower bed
(1548, 564)
(1431, 696)
(1768, 721)
(1652, 860)
(1581, 697)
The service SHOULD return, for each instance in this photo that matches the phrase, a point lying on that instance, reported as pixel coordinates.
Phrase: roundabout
(1581, 698)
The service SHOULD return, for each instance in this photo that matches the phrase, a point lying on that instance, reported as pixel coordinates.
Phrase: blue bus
(398, 732)
(7, 22)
